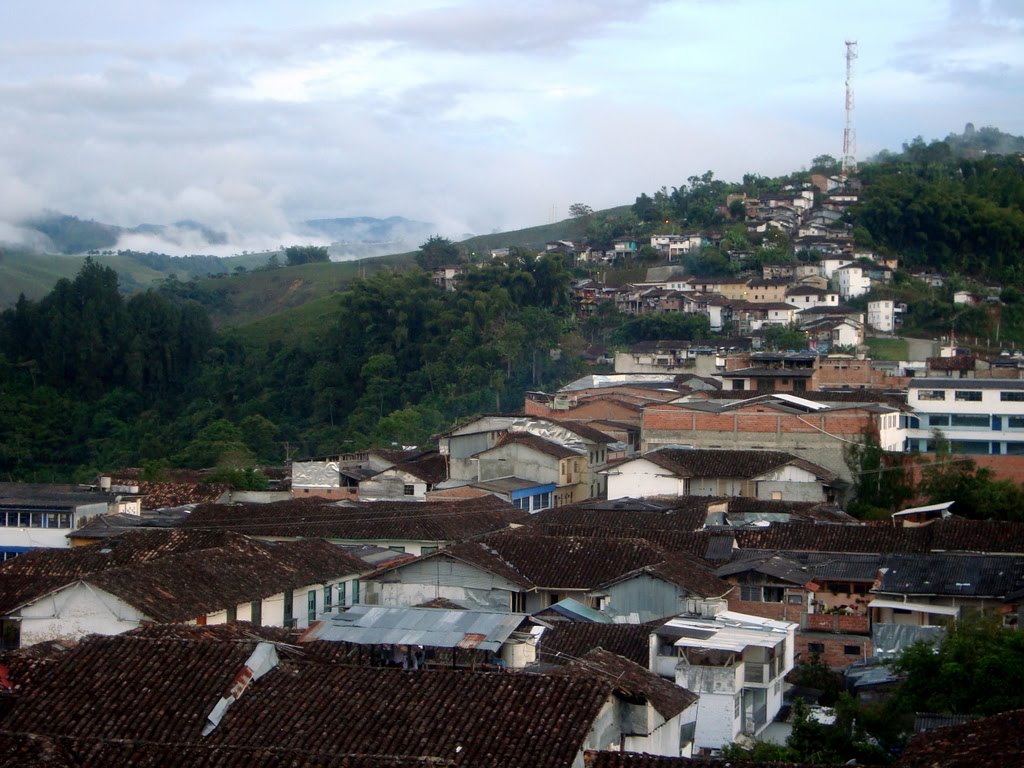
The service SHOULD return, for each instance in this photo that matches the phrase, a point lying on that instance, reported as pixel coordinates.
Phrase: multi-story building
(976, 416)
(735, 663)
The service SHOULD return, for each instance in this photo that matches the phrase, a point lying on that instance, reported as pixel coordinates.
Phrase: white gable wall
(640, 478)
(77, 610)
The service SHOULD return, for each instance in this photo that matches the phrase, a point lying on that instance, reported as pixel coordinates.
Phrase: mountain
(366, 229)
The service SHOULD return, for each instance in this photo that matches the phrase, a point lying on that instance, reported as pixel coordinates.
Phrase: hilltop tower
(849, 133)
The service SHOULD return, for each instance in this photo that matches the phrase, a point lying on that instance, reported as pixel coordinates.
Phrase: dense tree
(977, 669)
(306, 254)
(437, 252)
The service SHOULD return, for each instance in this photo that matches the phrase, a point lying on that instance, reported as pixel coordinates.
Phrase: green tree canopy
(306, 254)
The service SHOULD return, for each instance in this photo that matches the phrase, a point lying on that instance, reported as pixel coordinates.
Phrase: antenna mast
(849, 133)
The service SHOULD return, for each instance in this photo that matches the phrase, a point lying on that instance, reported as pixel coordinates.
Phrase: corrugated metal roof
(433, 627)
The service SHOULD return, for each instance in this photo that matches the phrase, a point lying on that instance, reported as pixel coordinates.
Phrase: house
(199, 698)
(977, 416)
(405, 481)
(405, 528)
(806, 296)
(566, 453)
(771, 372)
(882, 316)
(852, 281)
(527, 572)
(283, 584)
(774, 475)
(734, 662)
(34, 515)
(654, 715)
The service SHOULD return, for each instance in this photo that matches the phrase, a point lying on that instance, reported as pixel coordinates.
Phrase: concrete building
(976, 416)
(734, 662)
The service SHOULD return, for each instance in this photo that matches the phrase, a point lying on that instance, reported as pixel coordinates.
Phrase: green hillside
(533, 237)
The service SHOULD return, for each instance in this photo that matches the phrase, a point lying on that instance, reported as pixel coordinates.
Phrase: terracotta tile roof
(182, 587)
(369, 521)
(43, 570)
(563, 562)
(586, 431)
(680, 514)
(157, 693)
(32, 751)
(567, 641)
(992, 742)
(697, 462)
(690, 573)
(632, 681)
(158, 495)
(537, 443)
(431, 467)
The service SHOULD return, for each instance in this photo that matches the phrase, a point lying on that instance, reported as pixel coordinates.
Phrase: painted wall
(646, 597)
(75, 611)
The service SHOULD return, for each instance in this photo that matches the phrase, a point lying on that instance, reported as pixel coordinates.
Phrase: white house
(882, 315)
(853, 281)
(715, 472)
(280, 584)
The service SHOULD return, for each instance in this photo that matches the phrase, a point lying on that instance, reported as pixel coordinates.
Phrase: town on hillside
(745, 523)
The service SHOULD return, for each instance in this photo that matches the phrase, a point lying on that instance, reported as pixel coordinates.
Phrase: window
(428, 550)
(1015, 422)
(311, 606)
(328, 602)
(355, 592)
(517, 602)
(543, 500)
(256, 612)
(816, 647)
(938, 420)
(409, 490)
(795, 599)
(968, 395)
(737, 383)
(1012, 397)
(232, 613)
(289, 608)
(397, 548)
(341, 594)
(969, 420)
(931, 394)
(851, 650)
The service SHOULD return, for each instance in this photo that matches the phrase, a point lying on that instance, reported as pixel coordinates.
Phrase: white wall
(75, 611)
(640, 478)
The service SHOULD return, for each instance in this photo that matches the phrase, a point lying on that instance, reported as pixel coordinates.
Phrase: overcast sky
(475, 116)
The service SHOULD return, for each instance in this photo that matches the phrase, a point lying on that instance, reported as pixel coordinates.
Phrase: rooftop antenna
(849, 133)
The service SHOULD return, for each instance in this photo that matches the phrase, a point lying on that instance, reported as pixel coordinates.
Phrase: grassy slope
(531, 237)
(880, 348)
(272, 304)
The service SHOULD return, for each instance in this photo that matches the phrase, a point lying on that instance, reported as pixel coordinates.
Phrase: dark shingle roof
(952, 574)
(950, 535)
(688, 572)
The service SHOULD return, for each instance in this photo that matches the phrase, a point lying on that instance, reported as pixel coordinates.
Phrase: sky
(475, 116)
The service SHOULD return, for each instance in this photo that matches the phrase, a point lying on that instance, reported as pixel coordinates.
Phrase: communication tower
(849, 132)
